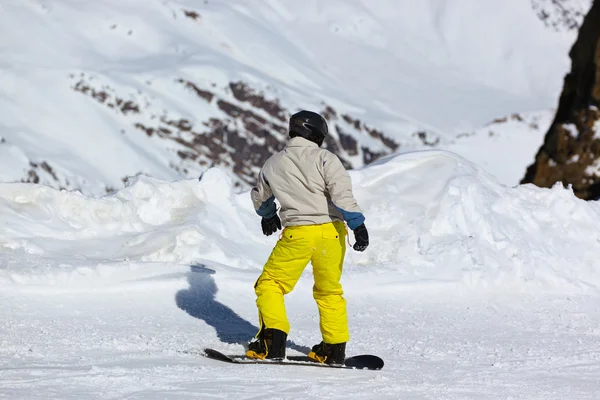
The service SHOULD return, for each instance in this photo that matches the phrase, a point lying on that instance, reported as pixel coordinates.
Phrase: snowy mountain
(95, 92)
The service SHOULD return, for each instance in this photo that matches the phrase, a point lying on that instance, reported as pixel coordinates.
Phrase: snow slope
(505, 146)
(69, 68)
(469, 290)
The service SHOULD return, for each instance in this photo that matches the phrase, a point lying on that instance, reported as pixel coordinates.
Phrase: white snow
(472, 287)
(593, 169)
(505, 148)
(399, 66)
(571, 129)
(469, 289)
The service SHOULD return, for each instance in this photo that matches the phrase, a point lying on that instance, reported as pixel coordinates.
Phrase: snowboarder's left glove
(270, 225)
(361, 236)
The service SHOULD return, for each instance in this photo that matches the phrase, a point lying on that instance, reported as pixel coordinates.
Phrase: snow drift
(434, 219)
(438, 217)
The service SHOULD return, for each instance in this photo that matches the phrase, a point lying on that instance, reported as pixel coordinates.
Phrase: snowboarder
(315, 194)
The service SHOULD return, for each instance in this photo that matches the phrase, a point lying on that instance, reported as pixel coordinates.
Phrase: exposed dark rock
(192, 14)
(329, 113)
(391, 144)
(355, 122)
(560, 14)
(128, 106)
(370, 156)
(517, 117)
(571, 150)
(230, 109)
(164, 131)
(44, 165)
(182, 124)
(499, 120)
(424, 137)
(32, 177)
(149, 131)
(33, 174)
(330, 144)
(103, 96)
(250, 131)
(513, 117)
(359, 126)
(185, 155)
(281, 129)
(243, 93)
(205, 94)
(347, 141)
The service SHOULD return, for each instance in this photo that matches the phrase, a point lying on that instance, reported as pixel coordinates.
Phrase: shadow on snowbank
(199, 301)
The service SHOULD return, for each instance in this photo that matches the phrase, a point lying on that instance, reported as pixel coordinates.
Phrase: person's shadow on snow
(199, 301)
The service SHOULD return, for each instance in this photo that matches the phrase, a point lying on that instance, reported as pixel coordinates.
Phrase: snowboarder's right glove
(270, 225)
(361, 237)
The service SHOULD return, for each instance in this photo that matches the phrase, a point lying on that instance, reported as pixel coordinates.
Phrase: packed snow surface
(469, 290)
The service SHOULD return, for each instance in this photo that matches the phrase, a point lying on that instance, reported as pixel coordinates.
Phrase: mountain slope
(96, 92)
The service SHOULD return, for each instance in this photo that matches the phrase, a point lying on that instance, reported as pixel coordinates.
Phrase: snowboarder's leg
(327, 261)
(280, 274)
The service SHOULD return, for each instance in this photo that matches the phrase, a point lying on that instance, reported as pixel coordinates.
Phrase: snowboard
(364, 361)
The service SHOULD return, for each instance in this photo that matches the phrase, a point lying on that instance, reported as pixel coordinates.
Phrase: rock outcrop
(561, 15)
(571, 150)
(244, 127)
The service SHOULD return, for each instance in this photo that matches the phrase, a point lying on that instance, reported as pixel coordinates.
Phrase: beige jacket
(311, 185)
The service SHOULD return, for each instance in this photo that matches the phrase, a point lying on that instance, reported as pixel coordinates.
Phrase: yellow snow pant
(324, 246)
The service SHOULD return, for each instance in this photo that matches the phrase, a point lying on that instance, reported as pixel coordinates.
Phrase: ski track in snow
(473, 347)
(469, 290)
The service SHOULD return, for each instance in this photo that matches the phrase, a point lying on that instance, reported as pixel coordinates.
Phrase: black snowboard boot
(326, 353)
(269, 344)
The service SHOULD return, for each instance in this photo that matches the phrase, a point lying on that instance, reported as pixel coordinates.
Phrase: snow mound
(61, 238)
(434, 219)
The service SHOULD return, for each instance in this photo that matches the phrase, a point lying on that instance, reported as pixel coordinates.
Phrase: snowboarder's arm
(339, 186)
(263, 198)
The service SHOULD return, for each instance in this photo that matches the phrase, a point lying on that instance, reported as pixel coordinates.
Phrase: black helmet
(309, 125)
